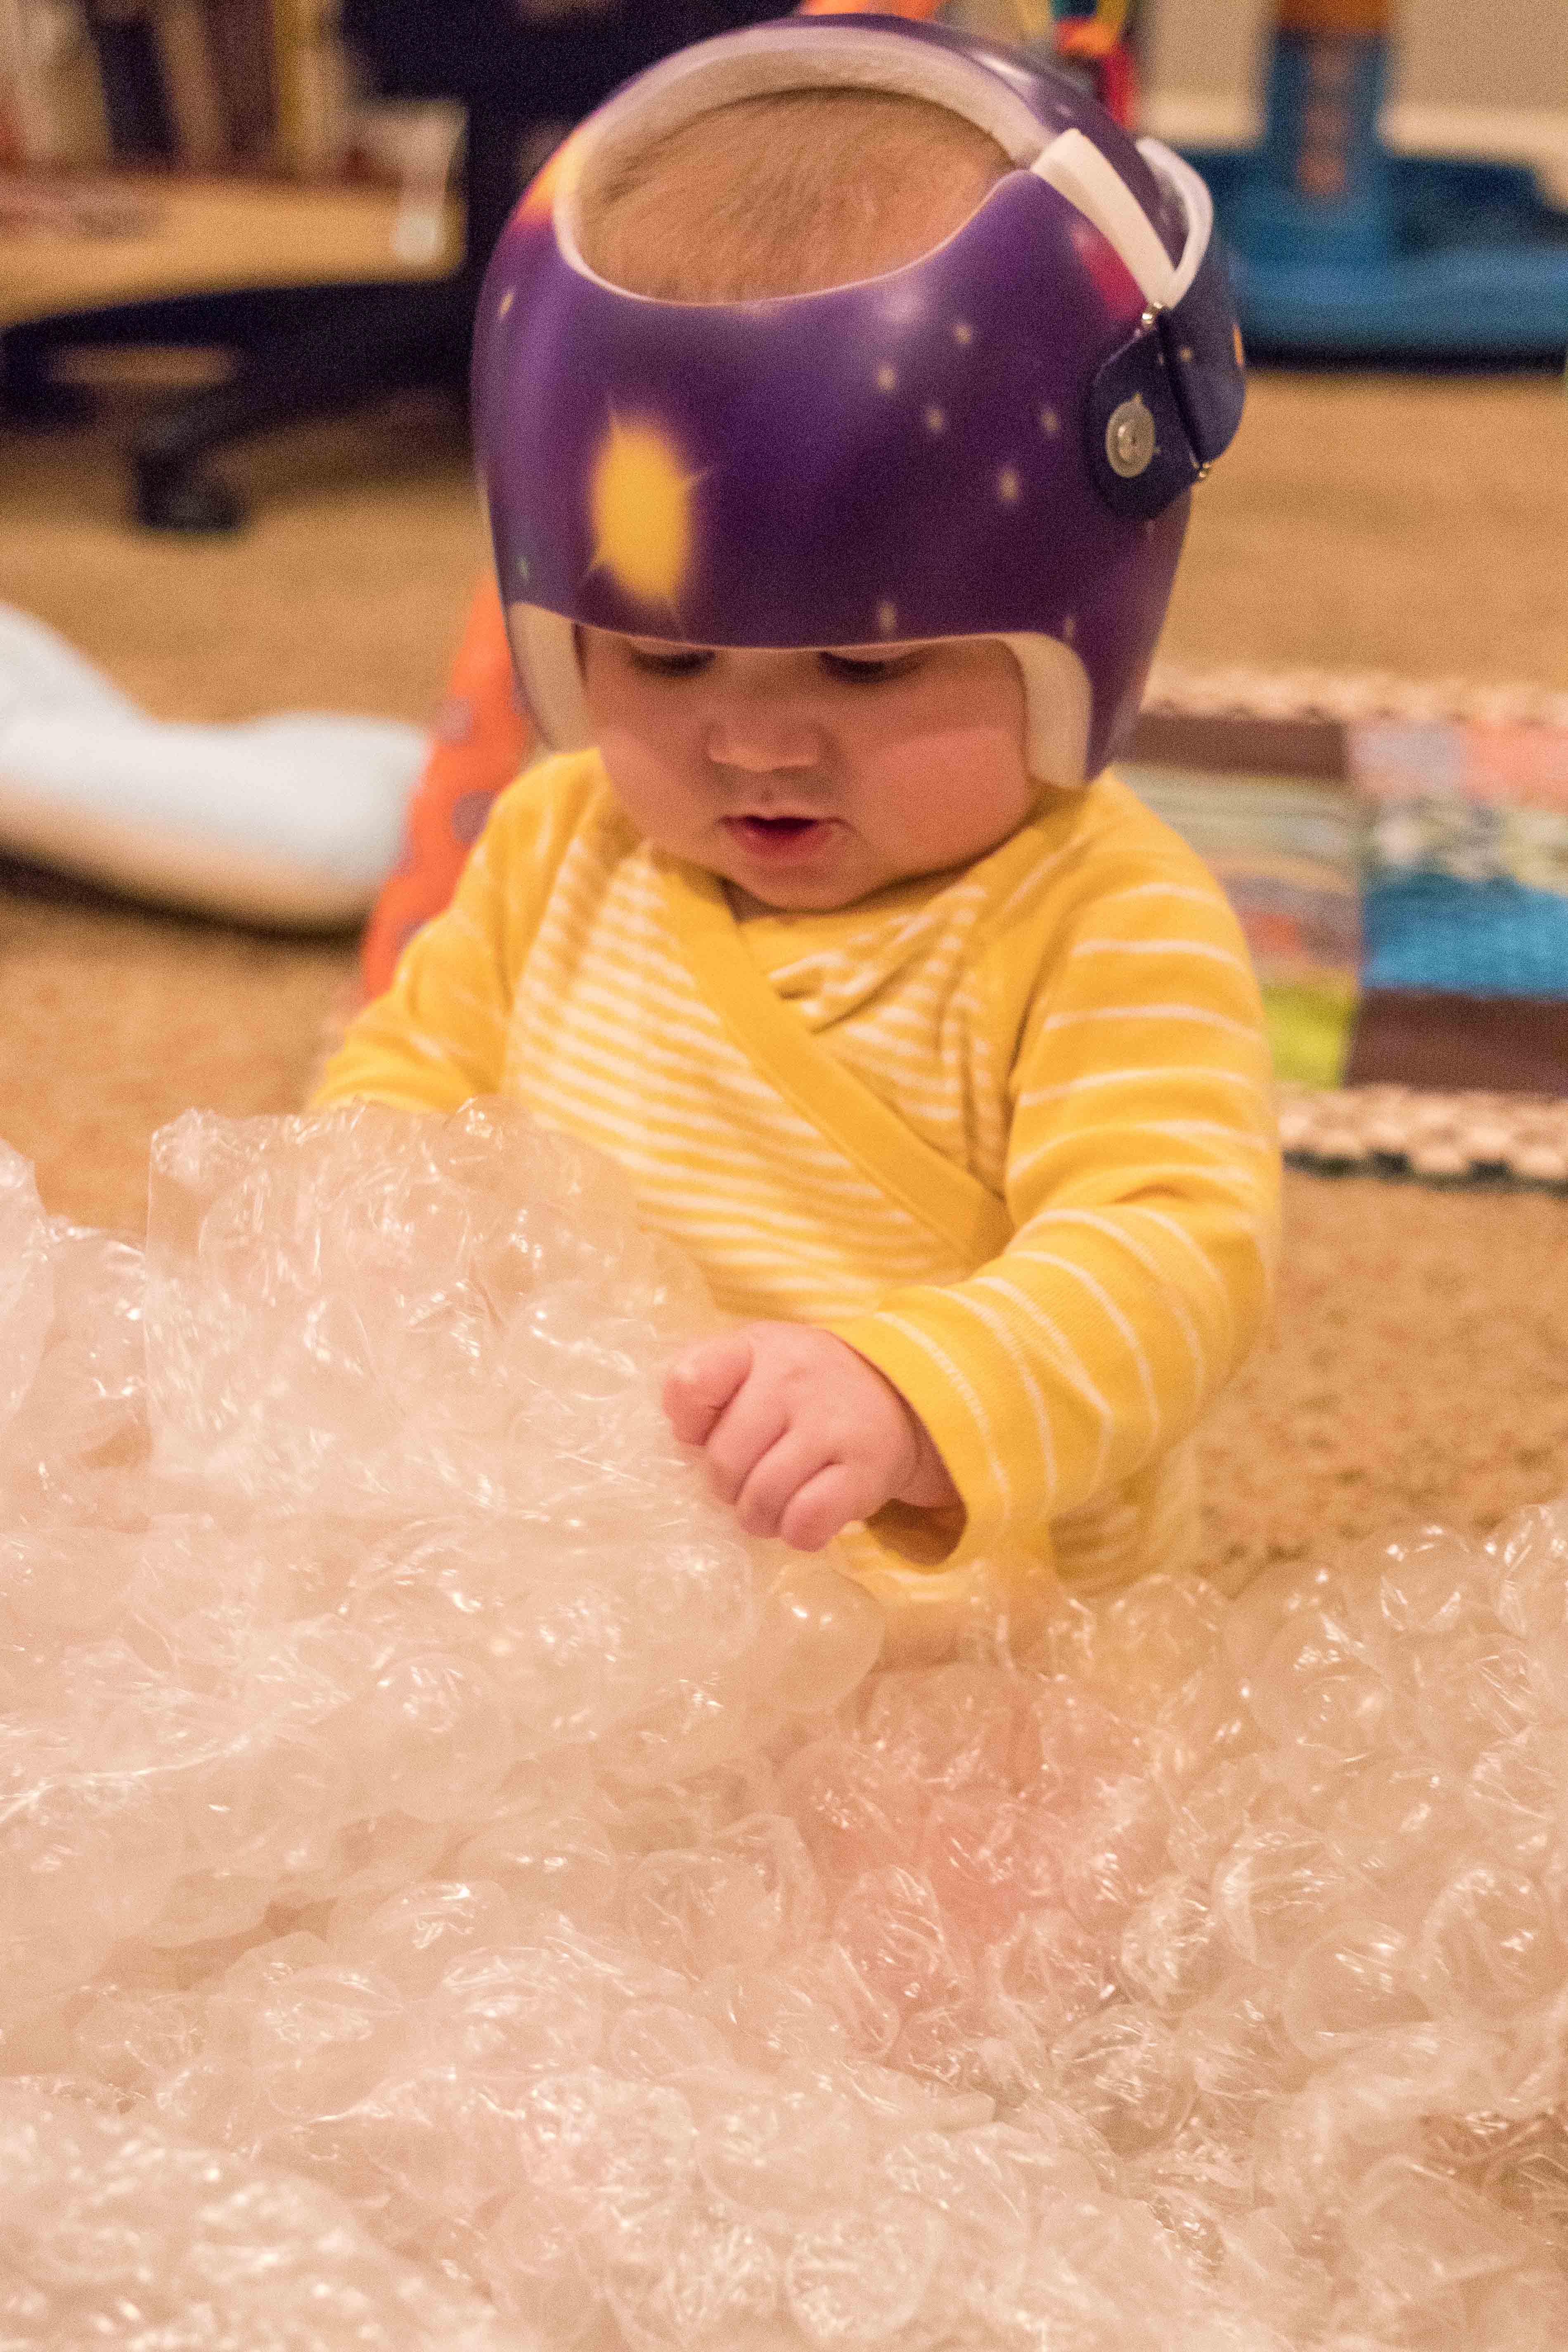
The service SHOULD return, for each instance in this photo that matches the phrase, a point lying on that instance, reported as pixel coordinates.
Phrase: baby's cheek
(963, 793)
(652, 786)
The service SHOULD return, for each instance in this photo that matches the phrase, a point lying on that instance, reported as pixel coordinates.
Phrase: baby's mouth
(765, 831)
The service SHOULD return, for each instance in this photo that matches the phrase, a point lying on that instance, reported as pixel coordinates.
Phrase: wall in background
(1489, 53)
(1205, 49)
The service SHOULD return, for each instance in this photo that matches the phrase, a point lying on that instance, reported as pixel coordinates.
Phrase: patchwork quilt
(1398, 857)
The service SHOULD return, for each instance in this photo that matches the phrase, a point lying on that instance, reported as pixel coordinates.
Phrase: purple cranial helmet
(994, 440)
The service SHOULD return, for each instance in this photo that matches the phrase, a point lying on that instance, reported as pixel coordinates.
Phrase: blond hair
(785, 193)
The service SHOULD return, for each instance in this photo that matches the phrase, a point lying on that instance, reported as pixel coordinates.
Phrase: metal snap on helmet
(993, 440)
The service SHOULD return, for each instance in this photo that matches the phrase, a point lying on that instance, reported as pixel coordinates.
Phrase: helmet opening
(794, 191)
(771, 61)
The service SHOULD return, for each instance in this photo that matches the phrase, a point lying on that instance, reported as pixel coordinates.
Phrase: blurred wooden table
(70, 241)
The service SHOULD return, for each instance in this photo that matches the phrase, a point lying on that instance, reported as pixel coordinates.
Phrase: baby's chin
(746, 898)
(792, 872)
(775, 898)
(802, 891)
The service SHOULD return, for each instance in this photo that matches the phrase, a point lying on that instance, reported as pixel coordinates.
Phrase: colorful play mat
(1398, 857)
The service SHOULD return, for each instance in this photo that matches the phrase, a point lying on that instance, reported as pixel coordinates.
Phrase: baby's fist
(799, 1433)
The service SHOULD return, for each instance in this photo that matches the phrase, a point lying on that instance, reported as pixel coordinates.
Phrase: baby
(838, 392)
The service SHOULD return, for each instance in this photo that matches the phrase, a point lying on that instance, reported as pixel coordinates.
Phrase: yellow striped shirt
(1008, 1131)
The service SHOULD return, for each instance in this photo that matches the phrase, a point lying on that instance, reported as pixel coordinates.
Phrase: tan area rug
(1417, 1367)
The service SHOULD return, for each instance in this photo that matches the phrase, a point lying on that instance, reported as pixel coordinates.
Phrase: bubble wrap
(456, 1890)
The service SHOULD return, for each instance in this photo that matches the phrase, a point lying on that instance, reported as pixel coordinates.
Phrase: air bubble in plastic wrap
(456, 1890)
(26, 1281)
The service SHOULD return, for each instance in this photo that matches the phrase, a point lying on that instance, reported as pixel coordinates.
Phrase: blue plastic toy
(1340, 247)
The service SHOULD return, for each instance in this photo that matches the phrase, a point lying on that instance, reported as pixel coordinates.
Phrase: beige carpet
(1418, 1363)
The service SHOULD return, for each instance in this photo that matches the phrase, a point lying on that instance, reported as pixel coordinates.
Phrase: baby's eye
(869, 669)
(668, 661)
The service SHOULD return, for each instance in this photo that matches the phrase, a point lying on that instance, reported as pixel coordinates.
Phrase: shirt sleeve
(1142, 1180)
(438, 1036)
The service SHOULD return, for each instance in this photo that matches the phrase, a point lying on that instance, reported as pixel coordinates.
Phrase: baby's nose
(760, 739)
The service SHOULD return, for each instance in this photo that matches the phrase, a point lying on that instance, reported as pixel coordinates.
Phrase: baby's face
(811, 779)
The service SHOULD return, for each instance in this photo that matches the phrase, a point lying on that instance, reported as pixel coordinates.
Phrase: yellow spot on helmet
(641, 505)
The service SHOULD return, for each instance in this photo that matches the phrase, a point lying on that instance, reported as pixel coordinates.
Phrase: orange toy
(483, 737)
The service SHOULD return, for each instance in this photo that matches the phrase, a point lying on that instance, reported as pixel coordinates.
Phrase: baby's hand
(800, 1433)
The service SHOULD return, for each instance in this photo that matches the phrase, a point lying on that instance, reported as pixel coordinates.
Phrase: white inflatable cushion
(294, 819)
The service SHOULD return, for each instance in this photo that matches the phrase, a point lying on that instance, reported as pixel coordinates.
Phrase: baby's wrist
(928, 1485)
(921, 1480)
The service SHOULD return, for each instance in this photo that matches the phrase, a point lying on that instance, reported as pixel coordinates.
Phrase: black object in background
(140, 124)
